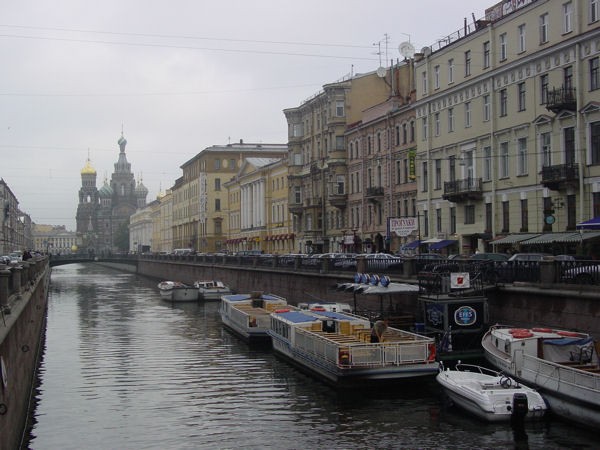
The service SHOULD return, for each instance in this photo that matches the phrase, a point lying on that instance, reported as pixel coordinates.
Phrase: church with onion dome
(101, 213)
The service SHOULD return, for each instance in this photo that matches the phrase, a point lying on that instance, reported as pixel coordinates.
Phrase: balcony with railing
(561, 99)
(560, 177)
(463, 190)
(375, 194)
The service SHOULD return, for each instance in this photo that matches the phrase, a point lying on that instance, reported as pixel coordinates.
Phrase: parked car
(382, 261)
(585, 274)
(489, 257)
(528, 257)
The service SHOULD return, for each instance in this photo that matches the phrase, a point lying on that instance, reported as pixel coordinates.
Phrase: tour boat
(562, 365)
(176, 291)
(490, 395)
(211, 289)
(336, 347)
(248, 315)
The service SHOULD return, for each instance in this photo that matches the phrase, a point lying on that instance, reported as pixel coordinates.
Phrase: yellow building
(508, 120)
(200, 202)
(259, 219)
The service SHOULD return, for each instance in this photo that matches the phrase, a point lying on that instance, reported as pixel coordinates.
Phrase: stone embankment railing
(16, 278)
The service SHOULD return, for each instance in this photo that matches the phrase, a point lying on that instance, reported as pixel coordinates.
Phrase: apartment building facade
(508, 124)
(200, 202)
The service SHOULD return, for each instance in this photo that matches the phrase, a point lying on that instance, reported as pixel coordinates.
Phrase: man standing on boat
(378, 329)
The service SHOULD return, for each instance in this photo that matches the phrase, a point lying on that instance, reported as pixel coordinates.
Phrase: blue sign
(465, 316)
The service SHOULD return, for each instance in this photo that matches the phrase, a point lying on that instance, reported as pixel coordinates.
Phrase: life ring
(519, 330)
(543, 330)
(568, 334)
(522, 334)
(282, 310)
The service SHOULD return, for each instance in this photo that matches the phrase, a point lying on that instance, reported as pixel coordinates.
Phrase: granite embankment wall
(520, 304)
(23, 300)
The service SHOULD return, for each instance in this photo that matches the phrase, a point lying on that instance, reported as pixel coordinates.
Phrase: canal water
(123, 369)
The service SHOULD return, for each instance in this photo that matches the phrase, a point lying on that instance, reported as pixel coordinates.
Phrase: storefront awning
(514, 238)
(442, 244)
(432, 241)
(592, 224)
(411, 245)
(562, 238)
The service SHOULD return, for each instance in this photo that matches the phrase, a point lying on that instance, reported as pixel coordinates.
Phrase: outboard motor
(520, 407)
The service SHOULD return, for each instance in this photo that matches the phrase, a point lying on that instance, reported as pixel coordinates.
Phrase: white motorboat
(490, 395)
(562, 365)
(337, 348)
(248, 315)
(211, 289)
(176, 291)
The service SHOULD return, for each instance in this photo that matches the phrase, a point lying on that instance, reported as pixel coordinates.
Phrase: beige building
(381, 148)
(259, 219)
(55, 239)
(200, 202)
(318, 170)
(162, 218)
(508, 124)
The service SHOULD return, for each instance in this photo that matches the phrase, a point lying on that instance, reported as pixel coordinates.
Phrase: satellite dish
(381, 72)
(406, 49)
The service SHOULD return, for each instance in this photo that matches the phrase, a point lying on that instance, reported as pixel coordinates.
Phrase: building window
(467, 63)
(522, 156)
(505, 217)
(521, 31)
(425, 180)
(450, 120)
(340, 143)
(487, 163)
(369, 145)
(412, 131)
(378, 141)
(424, 128)
(424, 82)
(568, 77)
(488, 218)
(569, 140)
(297, 195)
(467, 114)
(436, 121)
(452, 168)
(339, 108)
(453, 220)
(469, 214)
(486, 54)
(571, 212)
(398, 171)
(544, 88)
(217, 184)
(486, 108)
(503, 102)
(438, 174)
(426, 222)
(450, 71)
(436, 77)
(404, 134)
(397, 135)
(340, 185)
(594, 74)
(596, 204)
(593, 13)
(546, 149)
(503, 161)
(217, 204)
(524, 216)
(438, 219)
(567, 17)
(544, 28)
(595, 142)
(521, 96)
(503, 47)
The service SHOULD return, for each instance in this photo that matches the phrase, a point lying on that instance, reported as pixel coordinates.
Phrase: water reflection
(125, 369)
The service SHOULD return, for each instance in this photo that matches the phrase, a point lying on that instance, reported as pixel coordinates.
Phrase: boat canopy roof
(297, 316)
(242, 297)
(568, 341)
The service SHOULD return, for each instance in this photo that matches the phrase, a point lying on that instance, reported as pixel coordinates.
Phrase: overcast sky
(177, 77)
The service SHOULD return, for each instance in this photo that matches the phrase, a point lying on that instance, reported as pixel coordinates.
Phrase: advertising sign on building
(403, 226)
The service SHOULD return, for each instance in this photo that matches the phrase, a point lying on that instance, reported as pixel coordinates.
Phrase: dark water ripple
(125, 370)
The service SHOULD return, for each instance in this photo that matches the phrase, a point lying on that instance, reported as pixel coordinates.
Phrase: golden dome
(88, 169)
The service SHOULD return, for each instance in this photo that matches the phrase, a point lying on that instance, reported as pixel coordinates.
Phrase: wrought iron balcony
(560, 177)
(560, 99)
(462, 190)
(374, 194)
(338, 200)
